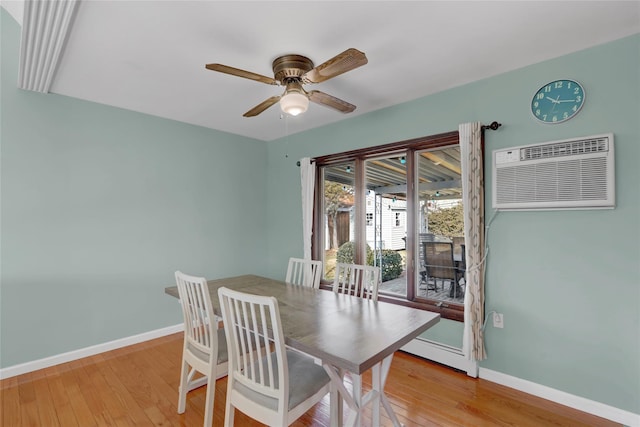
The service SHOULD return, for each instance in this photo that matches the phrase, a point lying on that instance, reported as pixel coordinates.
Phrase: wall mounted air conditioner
(570, 174)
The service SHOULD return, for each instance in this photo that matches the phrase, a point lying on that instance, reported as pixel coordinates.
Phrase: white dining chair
(356, 279)
(205, 346)
(271, 384)
(304, 272)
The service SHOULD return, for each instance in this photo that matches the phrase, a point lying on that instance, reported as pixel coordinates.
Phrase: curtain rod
(493, 126)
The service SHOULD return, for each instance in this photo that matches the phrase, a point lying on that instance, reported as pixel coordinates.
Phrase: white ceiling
(149, 56)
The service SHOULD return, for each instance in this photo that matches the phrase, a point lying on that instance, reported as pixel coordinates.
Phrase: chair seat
(305, 379)
(222, 349)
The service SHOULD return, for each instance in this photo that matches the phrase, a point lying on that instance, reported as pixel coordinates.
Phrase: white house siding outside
(390, 219)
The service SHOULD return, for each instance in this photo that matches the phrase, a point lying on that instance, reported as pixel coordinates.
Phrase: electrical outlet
(498, 320)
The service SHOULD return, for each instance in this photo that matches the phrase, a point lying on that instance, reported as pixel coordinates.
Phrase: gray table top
(345, 331)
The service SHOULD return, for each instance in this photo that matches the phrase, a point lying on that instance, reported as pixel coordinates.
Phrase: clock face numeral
(557, 101)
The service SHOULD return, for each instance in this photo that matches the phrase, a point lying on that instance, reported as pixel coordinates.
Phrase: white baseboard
(580, 403)
(35, 365)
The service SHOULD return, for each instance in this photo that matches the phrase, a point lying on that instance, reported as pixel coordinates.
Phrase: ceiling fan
(294, 71)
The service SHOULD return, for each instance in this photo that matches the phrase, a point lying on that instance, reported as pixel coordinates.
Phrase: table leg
(355, 400)
(355, 417)
(384, 372)
(376, 384)
(335, 398)
(337, 376)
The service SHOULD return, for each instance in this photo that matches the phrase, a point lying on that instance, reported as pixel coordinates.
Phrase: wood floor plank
(9, 401)
(141, 390)
(44, 401)
(106, 406)
(138, 386)
(68, 374)
(133, 413)
(28, 405)
(60, 398)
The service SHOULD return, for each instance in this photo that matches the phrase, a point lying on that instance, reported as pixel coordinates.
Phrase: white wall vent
(569, 174)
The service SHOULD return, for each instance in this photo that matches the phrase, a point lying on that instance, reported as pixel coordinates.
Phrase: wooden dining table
(346, 333)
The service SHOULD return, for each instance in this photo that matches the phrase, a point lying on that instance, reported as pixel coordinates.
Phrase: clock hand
(567, 100)
(555, 101)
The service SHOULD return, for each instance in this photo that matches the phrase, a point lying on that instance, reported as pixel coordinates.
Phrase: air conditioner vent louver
(569, 148)
(576, 173)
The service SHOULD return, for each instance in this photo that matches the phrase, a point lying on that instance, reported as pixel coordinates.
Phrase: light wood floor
(138, 386)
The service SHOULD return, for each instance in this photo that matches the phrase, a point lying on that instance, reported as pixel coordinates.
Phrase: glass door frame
(408, 149)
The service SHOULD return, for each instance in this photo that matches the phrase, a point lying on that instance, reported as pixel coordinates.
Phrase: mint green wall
(568, 282)
(100, 206)
(92, 230)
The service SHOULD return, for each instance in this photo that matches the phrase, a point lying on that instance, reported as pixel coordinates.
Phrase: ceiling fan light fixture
(294, 103)
(294, 71)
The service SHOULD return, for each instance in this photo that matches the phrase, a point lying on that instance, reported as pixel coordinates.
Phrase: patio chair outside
(440, 265)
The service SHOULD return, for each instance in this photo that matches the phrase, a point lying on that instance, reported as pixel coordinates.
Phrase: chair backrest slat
(304, 272)
(197, 310)
(439, 260)
(256, 346)
(355, 279)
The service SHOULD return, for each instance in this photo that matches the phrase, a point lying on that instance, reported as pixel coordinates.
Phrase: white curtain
(308, 179)
(471, 158)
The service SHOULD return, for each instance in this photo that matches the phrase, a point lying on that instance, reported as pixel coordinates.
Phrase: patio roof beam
(440, 160)
(439, 185)
(422, 187)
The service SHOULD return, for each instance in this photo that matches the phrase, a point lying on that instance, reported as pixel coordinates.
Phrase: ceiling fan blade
(262, 106)
(341, 63)
(330, 101)
(241, 73)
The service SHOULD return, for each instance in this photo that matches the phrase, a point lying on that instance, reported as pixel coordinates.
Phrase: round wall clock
(558, 101)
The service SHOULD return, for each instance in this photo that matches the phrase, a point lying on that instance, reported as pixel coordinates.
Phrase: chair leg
(182, 388)
(211, 394)
(454, 289)
(435, 283)
(229, 412)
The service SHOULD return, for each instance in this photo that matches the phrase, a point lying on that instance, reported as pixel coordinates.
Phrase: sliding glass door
(389, 206)
(386, 220)
(439, 246)
(338, 221)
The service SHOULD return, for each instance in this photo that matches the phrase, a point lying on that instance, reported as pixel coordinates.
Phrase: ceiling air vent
(569, 174)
